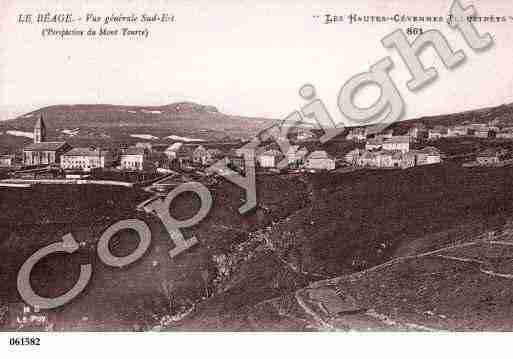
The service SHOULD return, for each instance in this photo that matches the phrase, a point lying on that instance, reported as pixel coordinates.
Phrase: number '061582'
(25, 341)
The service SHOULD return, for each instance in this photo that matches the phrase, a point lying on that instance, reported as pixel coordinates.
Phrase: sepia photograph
(268, 168)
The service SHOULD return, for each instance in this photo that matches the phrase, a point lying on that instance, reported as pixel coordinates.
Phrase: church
(41, 153)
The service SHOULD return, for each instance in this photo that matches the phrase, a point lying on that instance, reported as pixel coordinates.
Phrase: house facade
(134, 159)
(145, 145)
(505, 134)
(491, 156)
(296, 155)
(382, 159)
(320, 160)
(397, 143)
(374, 144)
(418, 131)
(427, 156)
(7, 160)
(357, 134)
(457, 131)
(185, 156)
(240, 159)
(172, 151)
(483, 133)
(304, 134)
(269, 159)
(86, 159)
(437, 133)
(200, 155)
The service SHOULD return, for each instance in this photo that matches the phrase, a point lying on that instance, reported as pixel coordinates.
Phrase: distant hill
(105, 122)
(502, 114)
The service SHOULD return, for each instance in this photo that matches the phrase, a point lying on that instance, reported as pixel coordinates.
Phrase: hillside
(383, 220)
(503, 114)
(32, 218)
(104, 124)
(110, 125)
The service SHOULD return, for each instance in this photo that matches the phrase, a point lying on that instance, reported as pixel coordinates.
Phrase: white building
(172, 151)
(7, 160)
(374, 144)
(457, 131)
(320, 160)
(296, 155)
(428, 156)
(399, 143)
(357, 134)
(270, 159)
(134, 159)
(304, 134)
(86, 159)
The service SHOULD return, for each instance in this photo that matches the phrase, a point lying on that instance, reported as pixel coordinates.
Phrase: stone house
(7, 160)
(374, 144)
(491, 156)
(296, 155)
(270, 158)
(135, 159)
(400, 143)
(86, 159)
(320, 160)
(427, 156)
(172, 151)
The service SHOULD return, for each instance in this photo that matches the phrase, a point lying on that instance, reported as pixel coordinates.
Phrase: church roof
(45, 146)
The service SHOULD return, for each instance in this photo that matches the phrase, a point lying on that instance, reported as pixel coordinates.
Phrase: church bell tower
(40, 131)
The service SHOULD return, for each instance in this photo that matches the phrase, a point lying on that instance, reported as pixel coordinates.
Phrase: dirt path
(370, 319)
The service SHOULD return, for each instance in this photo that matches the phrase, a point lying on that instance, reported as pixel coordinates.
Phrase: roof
(274, 153)
(200, 148)
(319, 155)
(293, 149)
(430, 150)
(354, 151)
(45, 146)
(174, 147)
(369, 155)
(439, 129)
(387, 152)
(491, 152)
(85, 151)
(375, 141)
(215, 152)
(418, 126)
(398, 139)
(397, 155)
(185, 151)
(357, 130)
(133, 151)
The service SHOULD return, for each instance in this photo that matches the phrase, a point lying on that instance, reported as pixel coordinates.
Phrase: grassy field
(314, 227)
(121, 299)
(359, 220)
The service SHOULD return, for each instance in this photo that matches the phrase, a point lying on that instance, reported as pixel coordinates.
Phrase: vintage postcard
(237, 166)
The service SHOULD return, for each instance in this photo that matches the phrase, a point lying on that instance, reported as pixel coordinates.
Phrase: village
(46, 159)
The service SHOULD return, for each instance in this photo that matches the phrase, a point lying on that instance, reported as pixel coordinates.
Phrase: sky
(246, 58)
